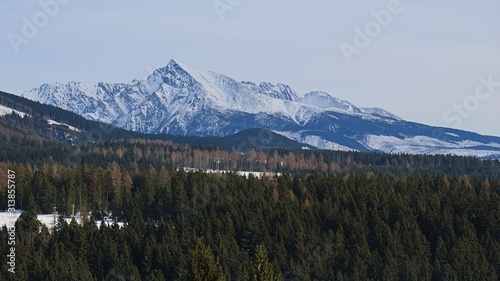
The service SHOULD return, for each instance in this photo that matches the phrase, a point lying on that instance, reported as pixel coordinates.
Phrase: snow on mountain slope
(326, 101)
(52, 122)
(428, 145)
(4, 110)
(181, 99)
(315, 141)
(379, 112)
(7, 110)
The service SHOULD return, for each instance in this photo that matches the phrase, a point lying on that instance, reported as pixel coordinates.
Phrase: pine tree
(203, 266)
(262, 269)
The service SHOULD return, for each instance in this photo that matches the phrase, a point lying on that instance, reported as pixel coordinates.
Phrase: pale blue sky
(426, 60)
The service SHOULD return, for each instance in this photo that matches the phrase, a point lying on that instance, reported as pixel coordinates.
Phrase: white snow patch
(7, 110)
(318, 142)
(426, 145)
(52, 122)
(239, 173)
(380, 112)
(6, 218)
(315, 141)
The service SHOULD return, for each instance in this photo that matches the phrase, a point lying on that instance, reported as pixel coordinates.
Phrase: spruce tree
(203, 266)
(262, 268)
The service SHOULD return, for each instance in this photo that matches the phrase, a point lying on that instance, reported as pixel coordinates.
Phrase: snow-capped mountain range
(180, 99)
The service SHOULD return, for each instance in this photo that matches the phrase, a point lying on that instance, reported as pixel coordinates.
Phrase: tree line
(196, 226)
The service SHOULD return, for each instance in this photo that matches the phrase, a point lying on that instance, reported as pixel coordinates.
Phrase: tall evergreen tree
(203, 266)
(262, 268)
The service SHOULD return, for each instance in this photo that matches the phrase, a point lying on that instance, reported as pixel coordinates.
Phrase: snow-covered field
(6, 218)
(245, 174)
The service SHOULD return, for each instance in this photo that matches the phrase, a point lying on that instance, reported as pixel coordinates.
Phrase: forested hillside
(330, 216)
(316, 227)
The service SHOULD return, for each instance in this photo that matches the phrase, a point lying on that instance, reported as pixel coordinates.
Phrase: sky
(431, 62)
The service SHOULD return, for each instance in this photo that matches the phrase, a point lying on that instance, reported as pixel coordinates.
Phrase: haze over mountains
(180, 99)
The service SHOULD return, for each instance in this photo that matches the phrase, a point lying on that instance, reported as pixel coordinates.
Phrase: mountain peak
(173, 64)
(177, 68)
(180, 66)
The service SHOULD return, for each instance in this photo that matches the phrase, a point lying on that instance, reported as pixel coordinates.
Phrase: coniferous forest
(329, 216)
